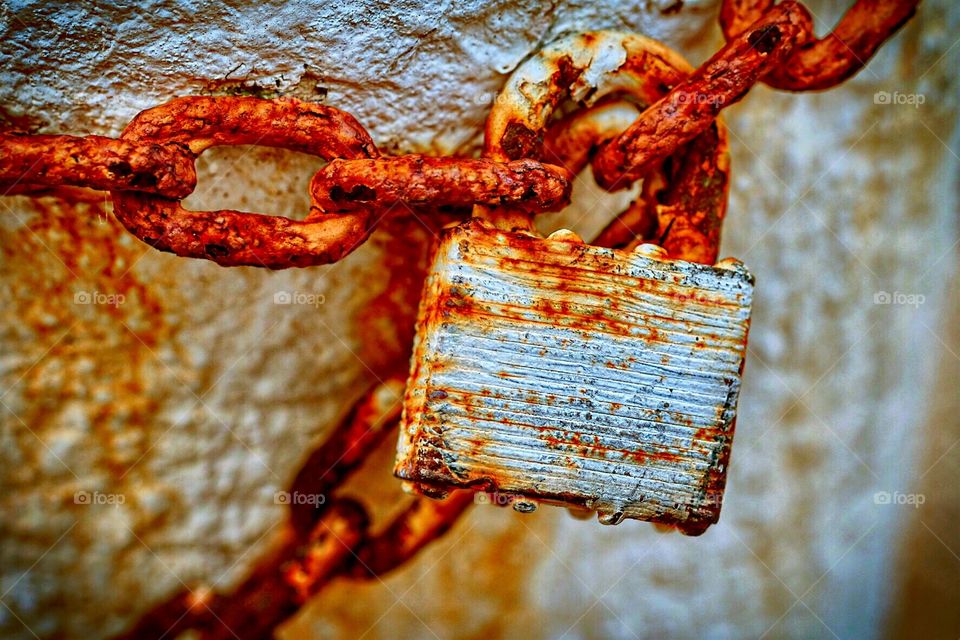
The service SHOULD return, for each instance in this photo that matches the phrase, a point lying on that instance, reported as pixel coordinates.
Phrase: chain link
(820, 64)
(29, 162)
(693, 105)
(416, 180)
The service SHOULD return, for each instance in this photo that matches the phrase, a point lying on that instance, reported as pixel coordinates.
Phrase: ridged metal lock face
(555, 371)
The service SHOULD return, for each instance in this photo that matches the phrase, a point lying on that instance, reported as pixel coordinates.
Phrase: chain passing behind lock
(603, 377)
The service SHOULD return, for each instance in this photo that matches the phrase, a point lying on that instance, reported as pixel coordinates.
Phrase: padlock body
(577, 375)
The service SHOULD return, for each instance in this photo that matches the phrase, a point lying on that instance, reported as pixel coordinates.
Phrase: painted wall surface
(178, 397)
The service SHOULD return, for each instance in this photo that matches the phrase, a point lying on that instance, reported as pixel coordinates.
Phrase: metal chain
(95, 162)
(820, 64)
(150, 168)
(328, 538)
(676, 144)
(693, 105)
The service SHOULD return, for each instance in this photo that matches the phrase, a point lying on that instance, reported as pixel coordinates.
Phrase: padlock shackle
(604, 73)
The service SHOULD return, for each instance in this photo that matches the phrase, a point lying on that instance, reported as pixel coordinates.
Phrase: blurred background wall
(188, 398)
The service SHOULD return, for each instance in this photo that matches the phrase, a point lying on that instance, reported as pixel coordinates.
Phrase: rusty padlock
(550, 370)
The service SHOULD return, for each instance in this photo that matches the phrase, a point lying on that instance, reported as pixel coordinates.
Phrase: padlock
(549, 370)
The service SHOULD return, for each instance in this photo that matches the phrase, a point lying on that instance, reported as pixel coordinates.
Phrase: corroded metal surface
(561, 372)
(331, 535)
(418, 180)
(684, 198)
(692, 105)
(826, 62)
(303, 396)
(94, 161)
(238, 238)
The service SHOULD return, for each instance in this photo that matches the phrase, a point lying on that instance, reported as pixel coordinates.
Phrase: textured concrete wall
(193, 397)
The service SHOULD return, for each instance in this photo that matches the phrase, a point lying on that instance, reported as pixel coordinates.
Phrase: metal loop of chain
(233, 237)
(328, 538)
(824, 63)
(587, 69)
(692, 105)
(95, 162)
(766, 42)
(418, 180)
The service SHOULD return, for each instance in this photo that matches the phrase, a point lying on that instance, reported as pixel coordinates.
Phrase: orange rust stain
(89, 329)
(620, 366)
(577, 443)
(705, 433)
(475, 446)
(387, 322)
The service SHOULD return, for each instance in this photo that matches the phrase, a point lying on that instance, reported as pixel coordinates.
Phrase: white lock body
(556, 371)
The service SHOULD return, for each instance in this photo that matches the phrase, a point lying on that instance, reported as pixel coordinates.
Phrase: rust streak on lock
(566, 373)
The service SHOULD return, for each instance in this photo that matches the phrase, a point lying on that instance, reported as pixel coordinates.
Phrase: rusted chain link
(151, 167)
(418, 180)
(96, 162)
(682, 201)
(820, 64)
(578, 68)
(339, 541)
(693, 105)
(767, 41)
(234, 237)
(327, 538)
